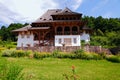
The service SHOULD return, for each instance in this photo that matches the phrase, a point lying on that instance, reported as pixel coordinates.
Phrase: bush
(15, 53)
(39, 55)
(7, 53)
(79, 51)
(65, 55)
(113, 59)
(103, 55)
(55, 53)
(2, 48)
(81, 54)
(20, 53)
(96, 56)
(14, 43)
(10, 46)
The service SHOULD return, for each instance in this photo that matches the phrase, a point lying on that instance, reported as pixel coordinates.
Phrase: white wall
(85, 36)
(24, 41)
(57, 37)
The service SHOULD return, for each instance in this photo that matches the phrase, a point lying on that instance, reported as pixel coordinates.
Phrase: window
(35, 36)
(67, 30)
(59, 30)
(28, 35)
(74, 30)
(74, 40)
(60, 41)
(22, 35)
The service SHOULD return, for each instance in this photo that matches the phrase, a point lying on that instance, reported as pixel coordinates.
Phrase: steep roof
(39, 28)
(67, 11)
(47, 16)
(23, 28)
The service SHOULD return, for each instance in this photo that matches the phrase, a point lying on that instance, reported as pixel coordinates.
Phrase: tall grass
(10, 71)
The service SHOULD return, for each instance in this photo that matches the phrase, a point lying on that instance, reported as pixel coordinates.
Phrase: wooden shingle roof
(47, 16)
(23, 28)
(67, 11)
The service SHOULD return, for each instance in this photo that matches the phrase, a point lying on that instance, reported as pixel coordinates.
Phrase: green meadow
(55, 69)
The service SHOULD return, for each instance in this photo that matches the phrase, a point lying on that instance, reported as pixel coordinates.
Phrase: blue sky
(14, 11)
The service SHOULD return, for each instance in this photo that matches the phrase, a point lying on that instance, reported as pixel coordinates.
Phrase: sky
(27, 11)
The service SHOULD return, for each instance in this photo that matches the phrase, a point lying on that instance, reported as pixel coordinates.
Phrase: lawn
(54, 68)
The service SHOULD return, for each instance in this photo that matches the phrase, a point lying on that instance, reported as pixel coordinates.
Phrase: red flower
(73, 67)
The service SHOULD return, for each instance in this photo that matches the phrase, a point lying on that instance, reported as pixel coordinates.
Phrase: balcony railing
(67, 33)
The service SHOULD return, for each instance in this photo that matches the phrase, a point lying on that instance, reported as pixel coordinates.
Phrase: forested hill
(106, 32)
(6, 32)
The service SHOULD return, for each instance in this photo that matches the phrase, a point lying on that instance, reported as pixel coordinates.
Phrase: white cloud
(33, 8)
(77, 4)
(72, 4)
(5, 14)
(101, 4)
(29, 10)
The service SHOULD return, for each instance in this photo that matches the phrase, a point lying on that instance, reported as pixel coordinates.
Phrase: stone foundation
(50, 48)
(96, 49)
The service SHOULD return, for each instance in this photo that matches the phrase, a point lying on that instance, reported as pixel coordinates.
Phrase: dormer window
(44, 19)
(40, 18)
(50, 19)
(66, 11)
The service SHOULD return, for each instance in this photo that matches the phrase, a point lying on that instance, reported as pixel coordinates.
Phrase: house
(55, 28)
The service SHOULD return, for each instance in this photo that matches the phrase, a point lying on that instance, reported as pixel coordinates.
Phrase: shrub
(79, 51)
(88, 56)
(103, 55)
(15, 53)
(96, 56)
(20, 53)
(55, 53)
(2, 48)
(113, 59)
(14, 43)
(7, 53)
(10, 46)
(39, 55)
(66, 55)
(81, 54)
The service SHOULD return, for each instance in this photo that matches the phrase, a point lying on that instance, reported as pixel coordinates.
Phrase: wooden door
(67, 41)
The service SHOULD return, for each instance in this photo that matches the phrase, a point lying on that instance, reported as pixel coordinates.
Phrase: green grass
(53, 68)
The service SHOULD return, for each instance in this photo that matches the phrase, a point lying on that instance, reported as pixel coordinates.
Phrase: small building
(55, 28)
